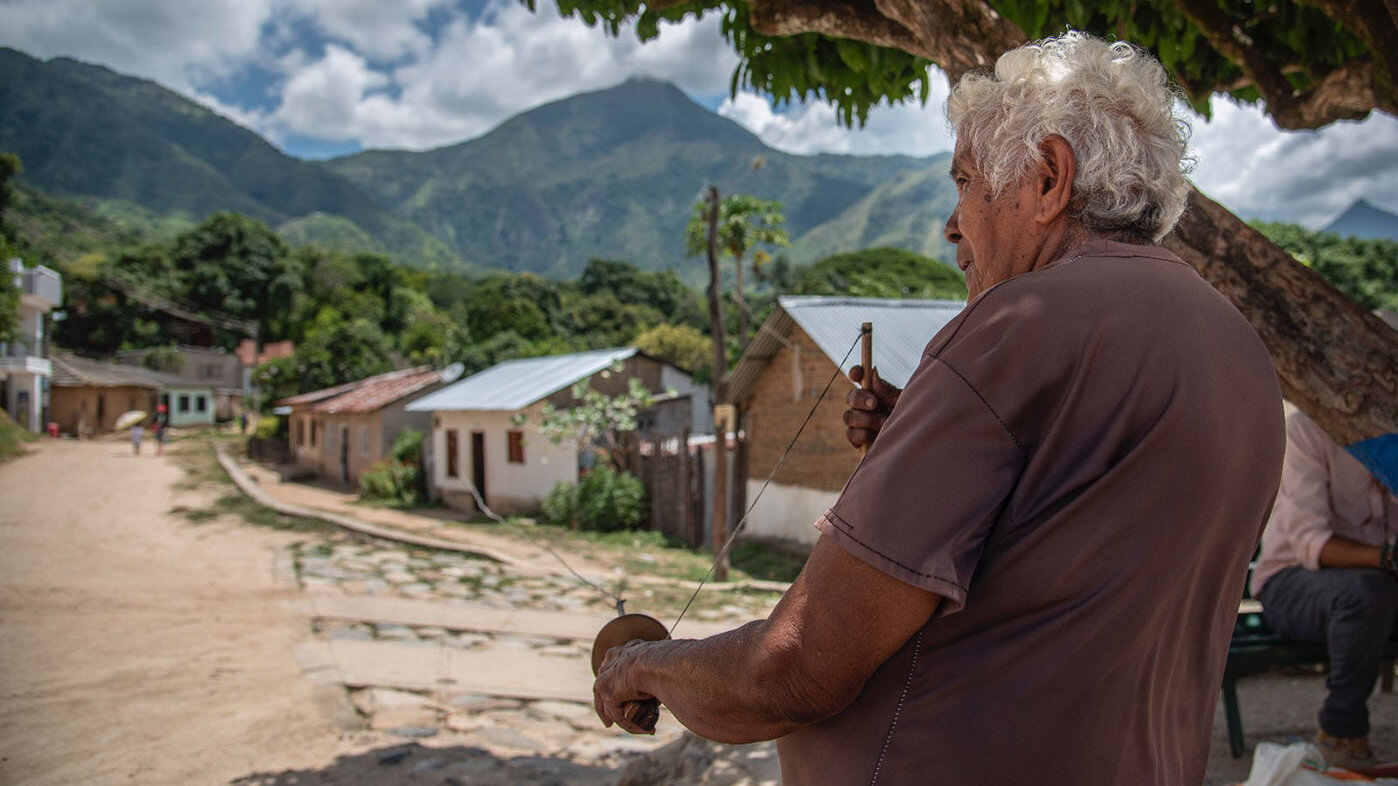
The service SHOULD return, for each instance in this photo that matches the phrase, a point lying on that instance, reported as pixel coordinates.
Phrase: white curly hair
(1114, 105)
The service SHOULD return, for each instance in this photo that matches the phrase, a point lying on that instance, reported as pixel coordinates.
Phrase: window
(516, 440)
(201, 404)
(364, 441)
(300, 432)
(453, 466)
(184, 402)
(315, 428)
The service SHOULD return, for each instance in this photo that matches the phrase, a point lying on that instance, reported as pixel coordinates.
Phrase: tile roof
(73, 371)
(378, 392)
(515, 384)
(902, 329)
(366, 395)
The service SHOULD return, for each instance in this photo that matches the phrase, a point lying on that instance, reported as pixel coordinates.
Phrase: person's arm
(1303, 507)
(840, 620)
(868, 409)
(1341, 552)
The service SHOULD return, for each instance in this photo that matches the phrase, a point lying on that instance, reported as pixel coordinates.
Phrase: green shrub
(561, 505)
(269, 426)
(391, 481)
(603, 501)
(407, 448)
(407, 452)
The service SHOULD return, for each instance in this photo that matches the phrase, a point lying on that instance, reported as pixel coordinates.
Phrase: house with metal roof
(339, 432)
(486, 436)
(796, 367)
(87, 396)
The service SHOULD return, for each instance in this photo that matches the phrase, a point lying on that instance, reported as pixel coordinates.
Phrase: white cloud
(156, 39)
(326, 99)
(482, 71)
(1308, 177)
(378, 30)
(909, 129)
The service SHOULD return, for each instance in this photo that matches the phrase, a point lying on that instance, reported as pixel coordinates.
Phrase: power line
(175, 307)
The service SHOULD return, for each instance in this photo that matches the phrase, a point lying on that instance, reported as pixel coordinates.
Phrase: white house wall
(509, 488)
(787, 512)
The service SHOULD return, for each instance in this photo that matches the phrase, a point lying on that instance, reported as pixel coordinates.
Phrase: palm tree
(743, 222)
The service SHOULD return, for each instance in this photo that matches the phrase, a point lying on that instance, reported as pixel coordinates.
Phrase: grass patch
(12, 437)
(768, 561)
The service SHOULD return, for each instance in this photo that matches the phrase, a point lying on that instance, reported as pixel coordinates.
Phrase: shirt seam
(981, 398)
(848, 530)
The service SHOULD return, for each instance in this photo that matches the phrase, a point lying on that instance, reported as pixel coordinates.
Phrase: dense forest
(352, 315)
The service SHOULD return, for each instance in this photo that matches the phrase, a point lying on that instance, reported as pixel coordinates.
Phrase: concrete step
(512, 673)
(566, 625)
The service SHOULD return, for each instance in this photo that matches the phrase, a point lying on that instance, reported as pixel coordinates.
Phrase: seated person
(1328, 573)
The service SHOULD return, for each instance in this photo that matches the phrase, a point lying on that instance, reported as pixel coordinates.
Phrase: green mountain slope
(907, 211)
(612, 173)
(87, 132)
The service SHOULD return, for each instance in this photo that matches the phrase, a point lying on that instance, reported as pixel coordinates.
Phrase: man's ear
(1056, 174)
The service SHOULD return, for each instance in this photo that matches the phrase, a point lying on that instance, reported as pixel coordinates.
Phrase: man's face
(996, 238)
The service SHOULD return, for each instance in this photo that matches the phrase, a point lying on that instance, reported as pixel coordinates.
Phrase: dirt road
(135, 646)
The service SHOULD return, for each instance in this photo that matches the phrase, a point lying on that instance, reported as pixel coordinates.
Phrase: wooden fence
(673, 478)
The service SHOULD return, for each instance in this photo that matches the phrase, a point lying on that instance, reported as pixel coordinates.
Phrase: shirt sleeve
(922, 503)
(1302, 511)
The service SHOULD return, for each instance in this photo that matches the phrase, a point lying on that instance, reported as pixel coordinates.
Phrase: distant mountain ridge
(86, 131)
(1362, 219)
(613, 173)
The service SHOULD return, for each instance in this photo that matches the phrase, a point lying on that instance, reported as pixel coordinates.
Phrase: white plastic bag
(1299, 764)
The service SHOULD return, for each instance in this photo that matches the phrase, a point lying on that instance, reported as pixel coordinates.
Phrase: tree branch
(958, 35)
(1336, 361)
(1349, 92)
(852, 19)
(964, 35)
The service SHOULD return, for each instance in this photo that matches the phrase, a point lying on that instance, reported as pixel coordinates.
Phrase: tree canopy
(1310, 63)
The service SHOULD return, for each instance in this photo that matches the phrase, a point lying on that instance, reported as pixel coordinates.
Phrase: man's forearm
(736, 687)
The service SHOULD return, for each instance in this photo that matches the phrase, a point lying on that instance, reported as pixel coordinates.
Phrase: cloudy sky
(327, 77)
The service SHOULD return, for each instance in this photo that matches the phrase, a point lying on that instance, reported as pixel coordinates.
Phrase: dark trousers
(1353, 611)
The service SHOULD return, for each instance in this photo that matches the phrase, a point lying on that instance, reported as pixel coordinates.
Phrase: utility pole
(720, 393)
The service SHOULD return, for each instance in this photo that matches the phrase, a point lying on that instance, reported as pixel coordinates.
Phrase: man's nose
(952, 230)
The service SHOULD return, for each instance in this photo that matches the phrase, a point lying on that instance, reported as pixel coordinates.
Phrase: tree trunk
(1336, 361)
(720, 388)
(740, 299)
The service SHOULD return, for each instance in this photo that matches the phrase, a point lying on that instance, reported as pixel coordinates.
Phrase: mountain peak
(1364, 220)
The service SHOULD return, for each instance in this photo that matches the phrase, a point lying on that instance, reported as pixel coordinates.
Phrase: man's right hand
(868, 409)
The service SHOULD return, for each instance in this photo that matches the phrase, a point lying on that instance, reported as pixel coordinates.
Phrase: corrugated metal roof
(73, 371)
(375, 393)
(515, 384)
(902, 329)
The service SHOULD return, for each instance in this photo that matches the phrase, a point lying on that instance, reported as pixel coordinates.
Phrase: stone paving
(467, 595)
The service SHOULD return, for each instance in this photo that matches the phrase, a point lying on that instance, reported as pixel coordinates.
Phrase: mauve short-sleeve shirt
(1080, 467)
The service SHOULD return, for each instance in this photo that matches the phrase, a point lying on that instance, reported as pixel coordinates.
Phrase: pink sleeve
(1302, 512)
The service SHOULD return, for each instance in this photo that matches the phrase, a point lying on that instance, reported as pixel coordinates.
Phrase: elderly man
(1327, 574)
(1033, 574)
